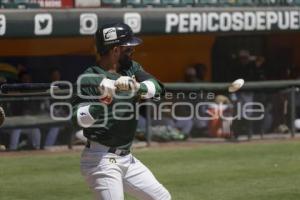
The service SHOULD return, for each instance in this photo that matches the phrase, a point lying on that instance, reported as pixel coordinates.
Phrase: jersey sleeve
(86, 109)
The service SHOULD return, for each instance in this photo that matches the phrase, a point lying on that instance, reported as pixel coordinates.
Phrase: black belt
(114, 150)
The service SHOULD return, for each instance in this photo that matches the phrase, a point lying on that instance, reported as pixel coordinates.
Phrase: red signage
(54, 3)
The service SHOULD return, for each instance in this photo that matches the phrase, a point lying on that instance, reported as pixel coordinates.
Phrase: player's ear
(116, 50)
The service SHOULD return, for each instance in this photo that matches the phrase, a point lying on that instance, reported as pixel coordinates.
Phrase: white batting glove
(126, 83)
(107, 87)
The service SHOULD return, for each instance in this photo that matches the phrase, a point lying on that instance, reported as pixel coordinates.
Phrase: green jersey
(115, 123)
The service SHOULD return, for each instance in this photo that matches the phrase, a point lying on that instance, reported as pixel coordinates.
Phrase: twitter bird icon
(43, 24)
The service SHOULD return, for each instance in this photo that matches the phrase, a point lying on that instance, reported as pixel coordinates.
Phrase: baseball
(236, 85)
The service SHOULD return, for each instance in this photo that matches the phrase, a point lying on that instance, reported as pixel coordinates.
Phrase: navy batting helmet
(118, 34)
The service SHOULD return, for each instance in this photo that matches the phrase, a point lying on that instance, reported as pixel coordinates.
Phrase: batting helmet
(118, 34)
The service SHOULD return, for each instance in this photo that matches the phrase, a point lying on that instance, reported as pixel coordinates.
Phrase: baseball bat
(37, 87)
(5, 88)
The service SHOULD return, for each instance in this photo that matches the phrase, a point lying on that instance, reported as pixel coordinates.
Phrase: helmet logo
(109, 34)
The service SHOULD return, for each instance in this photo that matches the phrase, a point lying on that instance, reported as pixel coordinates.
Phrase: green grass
(209, 172)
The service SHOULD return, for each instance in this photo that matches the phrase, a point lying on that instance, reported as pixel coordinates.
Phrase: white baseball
(236, 85)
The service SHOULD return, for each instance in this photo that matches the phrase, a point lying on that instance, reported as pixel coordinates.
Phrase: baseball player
(106, 115)
(2, 119)
(2, 116)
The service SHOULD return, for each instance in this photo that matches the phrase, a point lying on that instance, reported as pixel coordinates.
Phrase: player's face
(126, 53)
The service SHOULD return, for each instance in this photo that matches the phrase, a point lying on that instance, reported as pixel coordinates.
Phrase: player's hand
(107, 87)
(126, 83)
(2, 116)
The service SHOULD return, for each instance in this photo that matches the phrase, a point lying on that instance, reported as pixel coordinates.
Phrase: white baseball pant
(109, 176)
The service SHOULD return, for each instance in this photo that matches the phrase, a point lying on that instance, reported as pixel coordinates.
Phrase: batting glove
(126, 83)
(107, 87)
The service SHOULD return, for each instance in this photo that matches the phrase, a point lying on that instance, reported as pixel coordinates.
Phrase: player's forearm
(149, 88)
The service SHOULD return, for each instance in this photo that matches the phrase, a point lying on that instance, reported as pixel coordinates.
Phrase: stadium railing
(279, 99)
